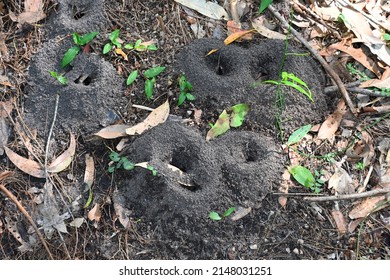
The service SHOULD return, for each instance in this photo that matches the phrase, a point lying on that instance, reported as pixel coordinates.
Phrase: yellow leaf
(121, 52)
(237, 35)
(211, 52)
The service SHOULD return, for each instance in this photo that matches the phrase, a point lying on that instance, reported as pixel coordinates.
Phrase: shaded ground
(168, 217)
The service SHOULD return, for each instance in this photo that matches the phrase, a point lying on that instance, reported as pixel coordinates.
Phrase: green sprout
(360, 165)
(80, 41)
(304, 177)
(216, 217)
(114, 36)
(138, 46)
(124, 163)
(115, 41)
(60, 78)
(150, 76)
(362, 76)
(185, 88)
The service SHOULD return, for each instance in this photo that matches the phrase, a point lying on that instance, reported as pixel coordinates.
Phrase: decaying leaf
(158, 116)
(77, 222)
(14, 231)
(33, 12)
(331, 124)
(113, 131)
(233, 27)
(28, 166)
(240, 213)
(95, 213)
(122, 53)
(123, 214)
(65, 159)
(341, 182)
(340, 220)
(383, 82)
(207, 8)
(4, 134)
(220, 127)
(367, 206)
(89, 174)
(284, 187)
(258, 25)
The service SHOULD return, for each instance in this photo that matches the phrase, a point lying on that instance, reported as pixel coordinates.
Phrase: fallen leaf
(353, 224)
(326, 13)
(331, 124)
(122, 53)
(113, 131)
(220, 127)
(89, 174)
(211, 52)
(207, 8)
(383, 82)
(3, 79)
(237, 35)
(77, 222)
(240, 213)
(95, 214)
(258, 25)
(340, 220)
(284, 187)
(158, 116)
(123, 214)
(4, 134)
(65, 159)
(28, 166)
(341, 182)
(367, 206)
(33, 12)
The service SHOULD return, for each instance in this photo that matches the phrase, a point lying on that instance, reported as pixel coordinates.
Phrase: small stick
(297, 194)
(143, 107)
(25, 213)
(50, 133)
(349, 196)
(335, 88)
(322, 61)
(368, 92)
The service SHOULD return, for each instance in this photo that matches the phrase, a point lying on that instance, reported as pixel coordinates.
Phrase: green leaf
(183, 83)
(152, 47)
(302, 175)
(214, 216)
(87, 38)
(90, 196)
(76, 38)
(133, 75)
(53, 74)
(137, 43)
(114, 156)
(154, 171)
(69, 56)
(229, 211)
(299, 88)
(128, 165)
(149, 86)
(386, 37)
(264, 4)
(190, 97)
(268, 82)
(111, 169)
(239, 112)
(182, 98)
(153, 72)
(129, 47)
(298, 134)
(114, 35)
(62, 80)
(140, 47)
(107, 48)
(220, 127)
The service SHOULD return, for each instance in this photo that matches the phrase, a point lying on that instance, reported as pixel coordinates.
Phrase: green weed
(216, 217)
(60, 78)
(124, 163)
(115, 41)
(185, 88)
(79, 41)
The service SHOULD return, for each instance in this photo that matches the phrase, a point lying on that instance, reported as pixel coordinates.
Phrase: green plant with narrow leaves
(298, 134)
(115, 41)
(185, 91)
(264, 4)
(79, 41)
(216, 217)
(289, 79)
(60, 78)
(362, 76)
(124, 163)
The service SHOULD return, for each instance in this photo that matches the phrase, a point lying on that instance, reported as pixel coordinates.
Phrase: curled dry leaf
(331, 124)
(95, 214)
(89, 174)
(122, 53)
(158, 116)
(123, 214)
(65, 159)
(341, 182)
(28, 166)
(258, 25)
(237, 35)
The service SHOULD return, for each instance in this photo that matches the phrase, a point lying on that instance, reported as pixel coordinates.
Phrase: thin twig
(25, 213)
(349, 196)
(335, 88)
(375, 93)
(322, 61)
(50, 133)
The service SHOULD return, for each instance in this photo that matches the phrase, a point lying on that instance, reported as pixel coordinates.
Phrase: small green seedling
(289, 79)
(150, 76)
(60, 78)
(360, 165)
(126, 164)
(114, 41)
(362, 76)
(298, 134)
(216, 217)
(132, 77)
(304, 177)
(80, 41)
(138, 46)
(185, 88)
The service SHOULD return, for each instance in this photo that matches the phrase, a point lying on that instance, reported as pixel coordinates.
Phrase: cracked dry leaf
(156, 117)
(367, 206)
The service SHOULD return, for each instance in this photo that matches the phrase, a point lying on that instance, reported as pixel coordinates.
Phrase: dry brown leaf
(123, 214)
(33, 12)
(28, 166)
(113, 131)
(77, 222)
(158, 116)
(358, 55)
(237, 35)
(207, 8)
(367, 206)
(6, 108)
(331, 13)
(341, 221)
(284, 187)
(331, 124)
(341, 182)
(383, 82)
(4, 79)
(65, 159)
(258, 25)
(353, 224)
(89, 174)
(240, 213)
(95, 213)
(211, 52)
